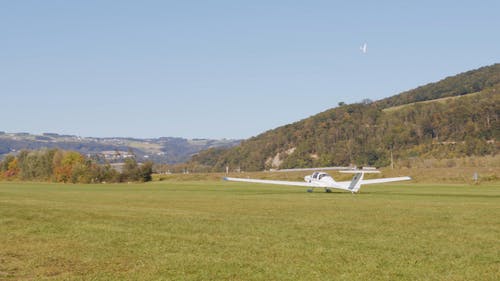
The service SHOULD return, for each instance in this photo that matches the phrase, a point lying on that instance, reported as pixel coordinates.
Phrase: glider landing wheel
(328, 191)
(310, 190)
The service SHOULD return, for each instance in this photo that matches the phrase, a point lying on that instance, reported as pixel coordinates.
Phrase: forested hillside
(367, 133)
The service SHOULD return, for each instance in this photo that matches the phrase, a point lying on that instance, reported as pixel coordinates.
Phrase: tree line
(69, 167)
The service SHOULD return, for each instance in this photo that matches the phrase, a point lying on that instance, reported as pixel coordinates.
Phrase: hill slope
(366, 134)
(462, 84)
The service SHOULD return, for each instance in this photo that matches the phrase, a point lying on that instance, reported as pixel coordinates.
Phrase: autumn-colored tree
(10, 168)
(69, 167)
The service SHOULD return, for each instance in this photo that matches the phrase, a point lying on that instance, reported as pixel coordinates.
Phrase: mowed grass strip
(214, 230)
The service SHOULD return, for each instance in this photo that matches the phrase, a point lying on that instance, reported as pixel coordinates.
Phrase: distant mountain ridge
(423, 122)
(170, 150)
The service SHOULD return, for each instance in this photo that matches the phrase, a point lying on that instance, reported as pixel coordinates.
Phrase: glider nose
(307, 178)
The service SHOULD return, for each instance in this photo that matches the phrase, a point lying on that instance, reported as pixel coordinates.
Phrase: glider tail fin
(355, 184)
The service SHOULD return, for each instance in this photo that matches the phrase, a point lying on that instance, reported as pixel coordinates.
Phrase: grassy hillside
(461, 84)
(440, 100)
(213, 230)
(428, 125)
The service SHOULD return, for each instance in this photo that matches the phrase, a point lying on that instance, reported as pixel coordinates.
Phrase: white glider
(323, 180)
(364, 48)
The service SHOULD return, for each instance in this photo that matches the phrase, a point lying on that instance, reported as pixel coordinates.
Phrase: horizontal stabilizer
(360, 172)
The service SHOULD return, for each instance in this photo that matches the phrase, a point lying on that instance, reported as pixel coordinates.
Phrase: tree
(36, 165)
(70, 168)
(10, 167)
(145, 172)
(130, 170)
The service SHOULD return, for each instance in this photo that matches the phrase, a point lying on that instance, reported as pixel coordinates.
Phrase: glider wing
(294, 183)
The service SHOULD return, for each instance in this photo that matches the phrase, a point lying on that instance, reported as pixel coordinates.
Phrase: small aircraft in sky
(323, 180)
(363, 48)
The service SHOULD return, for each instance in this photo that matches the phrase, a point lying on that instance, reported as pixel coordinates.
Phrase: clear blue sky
(223, 69)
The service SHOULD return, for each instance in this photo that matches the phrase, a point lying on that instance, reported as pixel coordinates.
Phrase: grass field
(213, 230)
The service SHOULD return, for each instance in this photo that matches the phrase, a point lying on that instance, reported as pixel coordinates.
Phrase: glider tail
(355, 184)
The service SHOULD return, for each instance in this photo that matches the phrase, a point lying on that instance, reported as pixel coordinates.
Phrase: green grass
(213, 230)
(440, 100)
